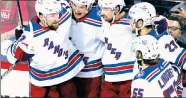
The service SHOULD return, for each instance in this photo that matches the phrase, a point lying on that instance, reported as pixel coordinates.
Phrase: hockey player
(53, 60)
(144, 15)
(157, 77)
(117, 59)
(85, 25)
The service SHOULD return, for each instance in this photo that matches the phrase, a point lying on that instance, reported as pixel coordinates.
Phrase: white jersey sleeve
(21, 49)
(100, 35)
(171, 51)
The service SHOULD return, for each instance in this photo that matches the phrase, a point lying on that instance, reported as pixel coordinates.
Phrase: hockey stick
(21, 21)
(19, 13)
(9, 70)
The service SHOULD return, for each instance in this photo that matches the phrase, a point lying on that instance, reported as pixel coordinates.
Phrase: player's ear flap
(117, 9)
(139, 55)
(41, 17)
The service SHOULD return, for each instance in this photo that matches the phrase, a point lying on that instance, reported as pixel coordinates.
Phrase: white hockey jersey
(118, 60)
(155, 81)
(52, 57)
(170, 51)
(83, 35)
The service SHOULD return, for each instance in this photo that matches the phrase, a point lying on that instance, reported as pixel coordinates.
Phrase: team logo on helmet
(144, 42)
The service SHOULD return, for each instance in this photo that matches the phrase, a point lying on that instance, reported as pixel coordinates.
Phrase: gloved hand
(161, 24)
(18, 33)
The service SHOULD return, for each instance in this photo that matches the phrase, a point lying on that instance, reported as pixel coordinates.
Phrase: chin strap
(89, 8)
(114, 16)
(45, 23)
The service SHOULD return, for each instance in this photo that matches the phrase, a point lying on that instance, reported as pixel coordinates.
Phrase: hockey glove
(18, 32)
(161, 25)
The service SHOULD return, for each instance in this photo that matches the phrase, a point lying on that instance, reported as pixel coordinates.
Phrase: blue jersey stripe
(57, 75)
(91, 69)
(119, 64)
(38, 34)
(119, 72)
(94, 61)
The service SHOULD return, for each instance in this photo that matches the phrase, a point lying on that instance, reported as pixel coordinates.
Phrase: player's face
(139, 24)
(139, 27)
(107, 14)
(52, 21)
(79, 11)
(174, 29)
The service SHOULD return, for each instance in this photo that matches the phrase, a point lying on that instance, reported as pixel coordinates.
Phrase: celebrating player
(53, 60)
(145, 18)
(157, 77)
(86, 24)
(117, 59)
